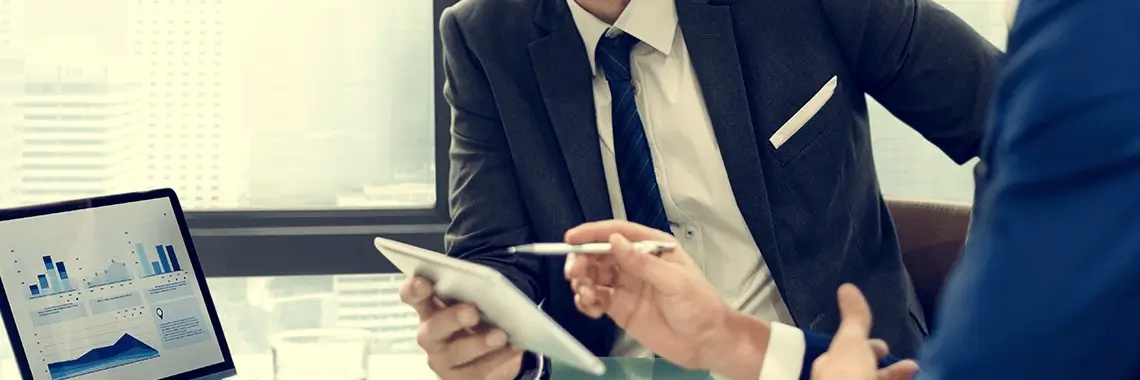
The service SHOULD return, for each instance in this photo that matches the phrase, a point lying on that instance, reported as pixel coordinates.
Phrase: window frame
(235, 243)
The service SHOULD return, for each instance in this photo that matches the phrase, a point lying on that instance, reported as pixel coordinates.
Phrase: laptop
(108, 288)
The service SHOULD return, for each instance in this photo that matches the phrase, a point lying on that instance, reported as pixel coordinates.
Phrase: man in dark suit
(740, 126)
(1052, 265)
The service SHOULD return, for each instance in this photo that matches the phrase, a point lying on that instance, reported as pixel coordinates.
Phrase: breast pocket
(805, 125)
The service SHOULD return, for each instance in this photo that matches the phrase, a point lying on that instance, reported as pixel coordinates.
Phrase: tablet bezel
(225, 368)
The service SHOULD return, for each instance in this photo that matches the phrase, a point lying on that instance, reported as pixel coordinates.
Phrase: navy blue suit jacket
(1049, 285)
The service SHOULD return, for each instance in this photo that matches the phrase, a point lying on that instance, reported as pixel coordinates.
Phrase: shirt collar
(653, 22)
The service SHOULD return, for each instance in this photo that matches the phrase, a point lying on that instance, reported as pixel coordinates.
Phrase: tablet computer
(499, 301)
(108, 288)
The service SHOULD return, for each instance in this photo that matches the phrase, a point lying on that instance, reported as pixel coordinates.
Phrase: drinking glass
(326, 353)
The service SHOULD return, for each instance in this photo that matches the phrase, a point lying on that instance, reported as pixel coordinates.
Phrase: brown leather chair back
(932, 236)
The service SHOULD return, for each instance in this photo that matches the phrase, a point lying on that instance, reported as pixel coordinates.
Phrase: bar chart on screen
(44, 278)
(107, 293)
(163, 261)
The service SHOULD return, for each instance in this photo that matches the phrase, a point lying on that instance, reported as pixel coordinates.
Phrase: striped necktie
(638, 180)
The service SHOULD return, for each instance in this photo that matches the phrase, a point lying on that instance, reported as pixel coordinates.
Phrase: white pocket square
(804, 114)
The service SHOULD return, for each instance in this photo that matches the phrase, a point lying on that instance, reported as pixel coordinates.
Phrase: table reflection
(414, 367)
(260, 367)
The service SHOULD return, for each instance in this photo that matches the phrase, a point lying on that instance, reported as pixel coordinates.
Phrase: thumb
(655, 271)
(903, 370)
(855, 326)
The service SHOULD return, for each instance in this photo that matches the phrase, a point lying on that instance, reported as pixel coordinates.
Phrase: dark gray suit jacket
(526, 164)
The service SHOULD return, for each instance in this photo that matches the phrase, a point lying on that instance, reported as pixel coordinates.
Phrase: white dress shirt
(694, 184)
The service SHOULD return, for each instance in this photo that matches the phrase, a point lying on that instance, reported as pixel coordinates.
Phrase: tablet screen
(106, 293)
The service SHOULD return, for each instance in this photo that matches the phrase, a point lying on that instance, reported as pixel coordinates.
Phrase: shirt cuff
(785, 356)
(538, 372)
(535, 372)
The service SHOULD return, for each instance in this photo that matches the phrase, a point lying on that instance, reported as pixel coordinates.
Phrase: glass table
(631, 369)
(414, 367)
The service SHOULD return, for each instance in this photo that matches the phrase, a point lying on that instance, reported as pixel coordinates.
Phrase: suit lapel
(708, 33)
(563, 72)
(562, 69)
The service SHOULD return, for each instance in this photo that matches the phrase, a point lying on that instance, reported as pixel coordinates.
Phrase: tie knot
(622, 42)
(613, 56)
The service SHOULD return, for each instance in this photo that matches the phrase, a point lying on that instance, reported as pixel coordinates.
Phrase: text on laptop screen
(106, 293)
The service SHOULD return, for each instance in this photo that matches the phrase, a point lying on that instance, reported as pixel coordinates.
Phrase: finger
(577, 283)
(597, 232)
(880, 348)
(593, 301)
(417, 292)
(468, 348)
(599, 296)
(437, 330)
(480, 368)
(586, 292)
(576, 265)
(585, 299)
(903, 370)
(856, 315)
(819, 366)
(591, 309)
(604, 296)
(658, 273)
(597, 269)
(607, 271)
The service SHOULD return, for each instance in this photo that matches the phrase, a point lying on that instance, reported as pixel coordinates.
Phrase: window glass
(237, 104)
(908, 165)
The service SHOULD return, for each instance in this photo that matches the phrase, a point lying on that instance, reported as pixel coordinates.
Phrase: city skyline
(228, 112)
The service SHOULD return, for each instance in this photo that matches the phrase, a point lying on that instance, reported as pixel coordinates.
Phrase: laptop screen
(108, 292)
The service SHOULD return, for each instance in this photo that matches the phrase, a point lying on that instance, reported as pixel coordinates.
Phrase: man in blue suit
(1050, 281)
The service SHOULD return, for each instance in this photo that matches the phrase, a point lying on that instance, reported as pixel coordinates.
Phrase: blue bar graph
(167, 261)
(53, 280)
(163, 258)
(173, 258)
(53, 276)
(64, 278)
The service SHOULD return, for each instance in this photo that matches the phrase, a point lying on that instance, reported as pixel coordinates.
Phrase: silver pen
(560, 249)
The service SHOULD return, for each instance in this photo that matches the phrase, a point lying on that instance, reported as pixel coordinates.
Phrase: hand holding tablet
(457, 346)
(460, 346)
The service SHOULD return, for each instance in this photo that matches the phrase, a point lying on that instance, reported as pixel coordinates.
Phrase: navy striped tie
(638, 180)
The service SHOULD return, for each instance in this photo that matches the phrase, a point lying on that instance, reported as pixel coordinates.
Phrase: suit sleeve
(487, 213)
(923, 63)
(1051, 274)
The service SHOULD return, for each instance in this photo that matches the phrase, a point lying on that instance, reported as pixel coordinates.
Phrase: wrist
(737, 349)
